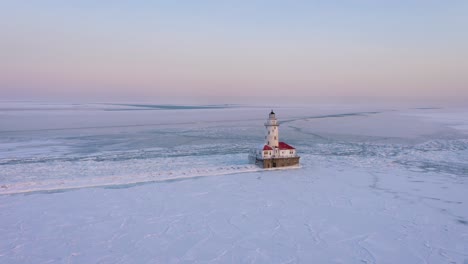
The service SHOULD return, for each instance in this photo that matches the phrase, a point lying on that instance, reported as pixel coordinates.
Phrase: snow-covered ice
(152, 183)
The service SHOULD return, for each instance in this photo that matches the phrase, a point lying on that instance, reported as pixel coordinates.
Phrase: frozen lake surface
(155, 183)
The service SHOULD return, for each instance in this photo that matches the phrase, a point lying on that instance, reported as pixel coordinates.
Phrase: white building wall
(287, 153)
(265, 154)
(275, 153)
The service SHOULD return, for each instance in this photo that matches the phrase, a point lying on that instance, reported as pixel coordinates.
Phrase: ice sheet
(106, 183)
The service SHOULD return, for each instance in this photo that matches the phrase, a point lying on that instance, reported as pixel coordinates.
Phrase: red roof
(283, 145)
(266, 147)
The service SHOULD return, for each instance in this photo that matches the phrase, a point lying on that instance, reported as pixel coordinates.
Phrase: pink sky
(304, 49)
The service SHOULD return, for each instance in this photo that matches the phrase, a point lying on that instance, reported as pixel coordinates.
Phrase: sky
(150, 49)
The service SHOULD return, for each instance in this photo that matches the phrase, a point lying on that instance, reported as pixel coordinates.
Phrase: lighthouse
(271, 125)
(273, 153)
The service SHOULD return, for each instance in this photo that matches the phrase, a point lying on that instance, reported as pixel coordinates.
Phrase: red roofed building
(266, 147)
(274, 153)
(283, 145)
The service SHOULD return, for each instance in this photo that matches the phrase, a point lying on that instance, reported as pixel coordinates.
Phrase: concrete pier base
(277, 162)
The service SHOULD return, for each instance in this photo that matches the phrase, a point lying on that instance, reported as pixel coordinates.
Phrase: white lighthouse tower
(274, 153)
(271, 125)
